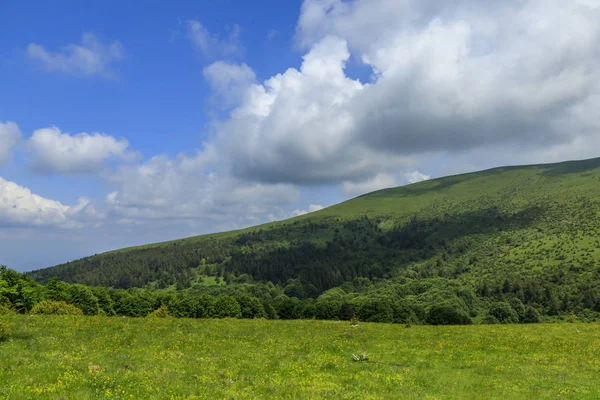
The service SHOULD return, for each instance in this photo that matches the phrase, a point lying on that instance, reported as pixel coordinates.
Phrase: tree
(227, 307)
(519, 307)
(250, 306)
(531, 316)
(328, 309)
(446, 314)
(375, 310)
(57, 290)
(346, 312)
(83, 298)
(288, 308)
(294, 288)
(504, 313)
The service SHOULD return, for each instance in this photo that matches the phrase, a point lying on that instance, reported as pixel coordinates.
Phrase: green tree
(250, 306)
(504, 313)
(83, 298)
(57, 290)
(227, 307)
(446, 314)
(346, 312)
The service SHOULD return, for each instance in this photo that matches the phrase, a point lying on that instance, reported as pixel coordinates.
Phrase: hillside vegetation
(527, 235)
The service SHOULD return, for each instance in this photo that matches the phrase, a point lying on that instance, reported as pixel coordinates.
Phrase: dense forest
(508, 241)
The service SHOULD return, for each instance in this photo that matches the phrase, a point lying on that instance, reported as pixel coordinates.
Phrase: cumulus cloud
(213, 45)
(90, 57)
(10, 135)
(54, 151)
(192, 188)
(229, 81)
(20, 207)
(447, 78)
(296, 127)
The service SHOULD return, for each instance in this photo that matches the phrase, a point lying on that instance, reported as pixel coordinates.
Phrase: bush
(51, 307)
(83, 297)
(346, 312)
(518, 306)
(490, 320)
(251, 306)
(160, 312)
(5, 309)
(327, 309)
(227, 307)
(4, 331)
(504, 313)
(375, 310)
(445, 314)
(531, 316)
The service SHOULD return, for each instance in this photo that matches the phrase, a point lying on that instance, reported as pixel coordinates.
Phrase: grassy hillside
(122, 358)
(530, 228)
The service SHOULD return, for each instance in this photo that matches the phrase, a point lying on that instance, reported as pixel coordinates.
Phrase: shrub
(160, 312)
(490, 320)
(251, 306)
(4, 331)
(83, 297)
(327, 309)
(227, 307)
(518, 306)
(375, 310)
(531, 316)
(445, 314)
(269, 310)
(288, 308)
(346, 312)
(51, 307)
(504, 313)
(5, 309)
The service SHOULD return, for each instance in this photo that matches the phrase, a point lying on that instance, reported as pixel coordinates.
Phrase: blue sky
(123, 124)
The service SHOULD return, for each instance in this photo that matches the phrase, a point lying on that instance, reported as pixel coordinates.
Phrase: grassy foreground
(86, 357)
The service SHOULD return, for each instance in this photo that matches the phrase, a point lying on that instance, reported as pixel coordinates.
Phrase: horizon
(122, 126)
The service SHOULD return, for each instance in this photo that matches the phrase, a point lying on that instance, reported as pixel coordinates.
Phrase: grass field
(101, 357)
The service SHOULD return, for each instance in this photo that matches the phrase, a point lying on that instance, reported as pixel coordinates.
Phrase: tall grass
(75, 357)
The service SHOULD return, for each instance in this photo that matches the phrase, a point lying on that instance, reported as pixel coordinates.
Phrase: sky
(128, 123)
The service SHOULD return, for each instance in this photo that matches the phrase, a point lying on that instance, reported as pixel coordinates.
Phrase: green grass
(87, 357)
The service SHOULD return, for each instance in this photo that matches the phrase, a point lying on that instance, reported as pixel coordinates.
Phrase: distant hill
(528, 228)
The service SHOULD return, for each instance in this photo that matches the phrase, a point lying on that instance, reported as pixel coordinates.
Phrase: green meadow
(77, 357)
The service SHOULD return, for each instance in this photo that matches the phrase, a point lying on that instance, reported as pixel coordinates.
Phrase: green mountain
(532, 230)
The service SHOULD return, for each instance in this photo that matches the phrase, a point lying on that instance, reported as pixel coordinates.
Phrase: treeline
(401, 300)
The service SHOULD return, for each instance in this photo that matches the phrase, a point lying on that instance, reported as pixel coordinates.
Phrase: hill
(531, 230)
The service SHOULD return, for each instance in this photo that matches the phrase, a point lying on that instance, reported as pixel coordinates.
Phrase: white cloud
(213, 45)
(447, 77)
(54, 151)
(297, 126)
(192, 188)
(380, 181)
(10, 135)
(415, 176)
(229, 81)
(90, 57)
(20, 207)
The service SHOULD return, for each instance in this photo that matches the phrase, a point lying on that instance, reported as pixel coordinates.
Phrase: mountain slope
(512, 226)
